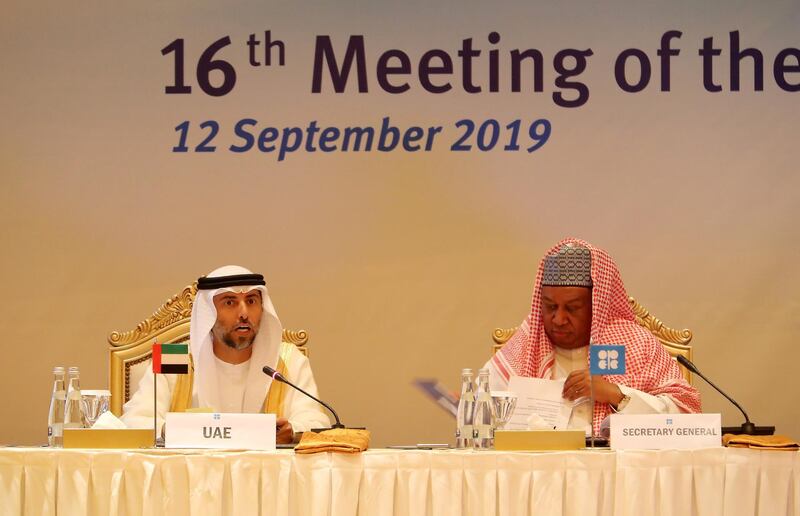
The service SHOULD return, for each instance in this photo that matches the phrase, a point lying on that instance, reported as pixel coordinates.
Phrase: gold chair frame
(676, 341)
(169, 323)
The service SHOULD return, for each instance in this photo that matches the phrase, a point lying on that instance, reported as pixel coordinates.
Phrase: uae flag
(171, 358)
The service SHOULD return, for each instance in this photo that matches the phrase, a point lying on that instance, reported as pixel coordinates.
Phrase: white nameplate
(665, 431)
(211, 430)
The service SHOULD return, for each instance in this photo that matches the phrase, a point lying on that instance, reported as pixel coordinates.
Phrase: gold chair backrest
(676, 341)
(130, 351)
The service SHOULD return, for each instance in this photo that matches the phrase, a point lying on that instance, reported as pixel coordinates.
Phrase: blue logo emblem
(669, 420)
(216, 416)
(607, 359)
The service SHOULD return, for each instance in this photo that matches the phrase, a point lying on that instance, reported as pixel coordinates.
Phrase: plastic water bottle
(466, 406)
(55, 418)
(483, 420)
(73, 413)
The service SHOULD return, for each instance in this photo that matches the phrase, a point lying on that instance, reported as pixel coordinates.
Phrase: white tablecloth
(715, 481)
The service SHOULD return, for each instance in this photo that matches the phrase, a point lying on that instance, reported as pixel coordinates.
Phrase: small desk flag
(606, 359)
(171, 358)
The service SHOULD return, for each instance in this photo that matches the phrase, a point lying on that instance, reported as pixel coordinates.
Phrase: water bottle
(483, 420)
(466, 406)
(73, 413)
(55, 418)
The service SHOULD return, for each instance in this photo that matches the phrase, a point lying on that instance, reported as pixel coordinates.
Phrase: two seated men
(578, 300)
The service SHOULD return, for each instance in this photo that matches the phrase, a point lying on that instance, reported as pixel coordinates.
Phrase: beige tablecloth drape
(719, 481)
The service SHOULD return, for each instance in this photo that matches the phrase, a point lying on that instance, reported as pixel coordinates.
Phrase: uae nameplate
(220, 431)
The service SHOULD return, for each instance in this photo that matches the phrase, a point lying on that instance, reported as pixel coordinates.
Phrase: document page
(542, 397)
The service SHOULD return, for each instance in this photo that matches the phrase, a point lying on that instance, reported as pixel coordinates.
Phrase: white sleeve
(496, 380)
(643, 403)
(138, 411)
(302, 412)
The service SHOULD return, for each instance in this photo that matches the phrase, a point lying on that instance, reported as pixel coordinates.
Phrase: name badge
(665, 431)
(220, 431)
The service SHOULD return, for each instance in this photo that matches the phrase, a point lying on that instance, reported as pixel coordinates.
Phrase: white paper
(541, 397)
(108, 420)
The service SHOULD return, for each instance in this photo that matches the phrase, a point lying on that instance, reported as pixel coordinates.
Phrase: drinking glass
(94, 403)
(504, 404)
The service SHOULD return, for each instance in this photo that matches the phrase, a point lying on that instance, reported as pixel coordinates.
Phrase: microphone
(279, 377)
(747, 428)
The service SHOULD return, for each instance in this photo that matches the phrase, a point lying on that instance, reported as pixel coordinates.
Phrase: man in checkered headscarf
(578, 300)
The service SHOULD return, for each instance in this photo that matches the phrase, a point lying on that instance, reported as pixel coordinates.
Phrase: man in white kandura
(234, 333)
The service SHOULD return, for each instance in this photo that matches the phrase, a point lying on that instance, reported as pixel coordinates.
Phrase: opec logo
(606, 359)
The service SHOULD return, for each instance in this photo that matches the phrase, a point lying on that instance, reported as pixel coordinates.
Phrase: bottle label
(466, 431)
(54, 430)
(483, 431)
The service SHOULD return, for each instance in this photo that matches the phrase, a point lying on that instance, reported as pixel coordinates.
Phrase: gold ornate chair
(130, 351)
(676, 341)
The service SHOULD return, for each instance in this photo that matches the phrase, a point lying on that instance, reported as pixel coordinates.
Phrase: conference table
(713, 481)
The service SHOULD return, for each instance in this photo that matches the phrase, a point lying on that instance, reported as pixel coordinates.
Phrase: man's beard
(232, 342)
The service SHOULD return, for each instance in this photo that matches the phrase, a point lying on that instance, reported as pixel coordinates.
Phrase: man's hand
(577, 386)
(283, 431)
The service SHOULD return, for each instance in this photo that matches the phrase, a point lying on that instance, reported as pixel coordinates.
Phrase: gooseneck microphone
(747, 427)
(279, 377)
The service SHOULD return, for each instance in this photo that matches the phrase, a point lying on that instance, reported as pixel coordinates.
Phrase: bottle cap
(466, 370)
(58, 370)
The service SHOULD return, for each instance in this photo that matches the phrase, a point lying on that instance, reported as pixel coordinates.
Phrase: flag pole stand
(155, 410)
(591, 410)
(158, 441)
(604, 359)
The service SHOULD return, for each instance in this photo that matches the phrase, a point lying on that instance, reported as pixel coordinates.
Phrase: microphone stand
(280, 378)
(748, 427)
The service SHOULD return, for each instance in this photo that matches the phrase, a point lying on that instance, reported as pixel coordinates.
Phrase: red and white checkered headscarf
(649, 367)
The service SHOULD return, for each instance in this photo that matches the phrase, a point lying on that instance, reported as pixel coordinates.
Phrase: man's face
(567, 315)
(238, 318)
